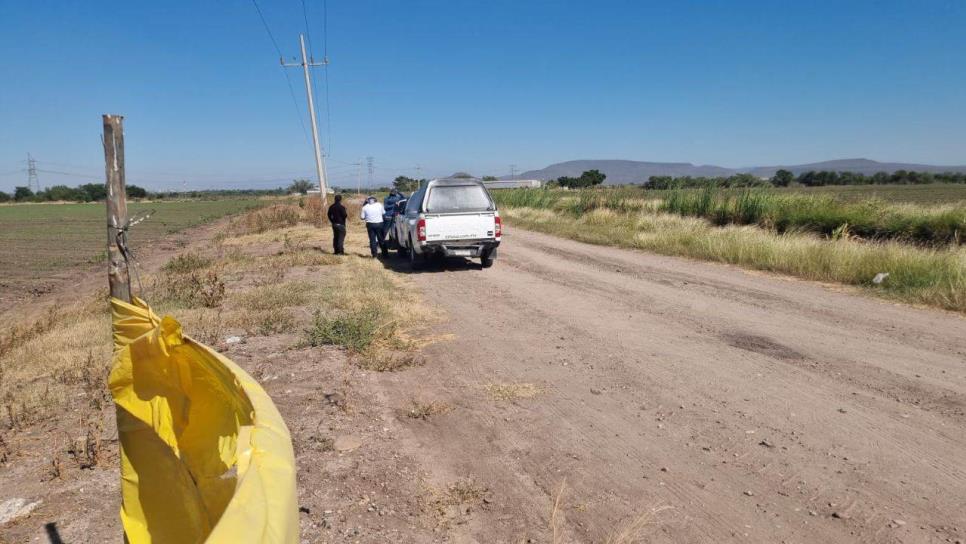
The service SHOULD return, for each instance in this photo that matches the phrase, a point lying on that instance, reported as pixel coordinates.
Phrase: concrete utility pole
(117, 270)
(319, 164)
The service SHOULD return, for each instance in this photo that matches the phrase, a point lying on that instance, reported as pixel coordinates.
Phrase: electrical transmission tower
(513, 171)
(358, 166)
(306, 64)
(33, 182)
(369, 162)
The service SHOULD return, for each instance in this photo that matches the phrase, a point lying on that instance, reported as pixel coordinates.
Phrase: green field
(933, 193)
(39, 242)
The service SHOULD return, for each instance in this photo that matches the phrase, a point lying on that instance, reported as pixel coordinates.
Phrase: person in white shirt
(372, 213)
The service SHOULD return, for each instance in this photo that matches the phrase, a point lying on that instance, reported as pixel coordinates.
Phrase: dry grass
(425, 410)
(555, 512)
(269, 218)
(268, 297)
(187, 262)
(455, 501)
(512, 391)
(206, 325)
(389, 361)
(59, 363)
(314, 212)
(935, 277)
(633, 530)
(466, 490)
(354, 330)
(370, 312)
(302, 257)
(187, 281)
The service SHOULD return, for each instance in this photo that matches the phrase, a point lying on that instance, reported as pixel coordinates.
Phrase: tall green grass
(870, 219)
(752, 230)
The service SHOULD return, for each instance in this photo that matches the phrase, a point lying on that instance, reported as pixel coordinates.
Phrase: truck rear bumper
(461, 249)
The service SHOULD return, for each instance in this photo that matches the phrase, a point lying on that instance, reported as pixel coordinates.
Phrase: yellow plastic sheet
(205, 455)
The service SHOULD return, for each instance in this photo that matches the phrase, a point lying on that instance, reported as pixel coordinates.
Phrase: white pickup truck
(451, 217)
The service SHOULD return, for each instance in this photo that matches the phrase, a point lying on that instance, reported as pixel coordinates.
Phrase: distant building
(514, 184)
(316, 191)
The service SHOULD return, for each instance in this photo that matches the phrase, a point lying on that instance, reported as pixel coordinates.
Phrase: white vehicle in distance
(452, 217)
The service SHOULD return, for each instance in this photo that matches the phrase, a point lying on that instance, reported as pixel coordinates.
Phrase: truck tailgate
(462, 226)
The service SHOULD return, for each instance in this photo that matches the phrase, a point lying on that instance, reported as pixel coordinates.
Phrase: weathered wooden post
(117, 269)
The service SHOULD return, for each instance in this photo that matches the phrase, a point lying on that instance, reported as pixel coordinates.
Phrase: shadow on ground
(400, 263)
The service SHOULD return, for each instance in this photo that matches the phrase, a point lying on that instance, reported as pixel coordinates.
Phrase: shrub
(354, 330)
(314, 212)
(271, 217)
(186, 262)
(273, 296)
(191, 290)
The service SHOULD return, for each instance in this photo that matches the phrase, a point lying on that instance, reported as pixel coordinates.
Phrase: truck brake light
(497, 227)
(421, 230)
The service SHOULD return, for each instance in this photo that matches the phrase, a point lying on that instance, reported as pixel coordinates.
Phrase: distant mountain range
(621, 171)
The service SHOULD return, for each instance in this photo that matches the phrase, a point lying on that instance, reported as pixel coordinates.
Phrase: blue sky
(476, 86)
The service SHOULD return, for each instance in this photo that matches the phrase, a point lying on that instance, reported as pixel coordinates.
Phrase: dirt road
(676, 401)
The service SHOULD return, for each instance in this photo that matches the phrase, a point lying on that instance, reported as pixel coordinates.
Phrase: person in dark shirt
(391, 210)
(337, 216)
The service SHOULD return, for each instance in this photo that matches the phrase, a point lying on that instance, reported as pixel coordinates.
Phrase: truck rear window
(458, 198)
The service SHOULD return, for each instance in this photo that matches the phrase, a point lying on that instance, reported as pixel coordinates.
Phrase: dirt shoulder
(58, 442)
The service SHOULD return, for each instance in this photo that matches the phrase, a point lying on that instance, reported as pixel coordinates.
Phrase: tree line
(784, 178)
(89, 192)
(95, 192)
(590, 178)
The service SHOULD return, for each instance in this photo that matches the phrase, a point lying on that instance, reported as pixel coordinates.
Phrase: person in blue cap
(391, 210)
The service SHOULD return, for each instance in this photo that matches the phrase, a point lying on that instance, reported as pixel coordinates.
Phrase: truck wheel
(414, 260)
(487, 258)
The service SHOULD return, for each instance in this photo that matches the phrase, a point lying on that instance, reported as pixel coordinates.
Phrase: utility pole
(369, 162)
(117, 268)
(33, 182)
(319, 165)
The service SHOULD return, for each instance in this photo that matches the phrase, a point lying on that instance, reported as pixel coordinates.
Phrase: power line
(325, 72)
(64, 173)
(327, 147)
(308, 35)
(288, 80)
(68, 165)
